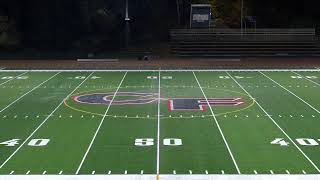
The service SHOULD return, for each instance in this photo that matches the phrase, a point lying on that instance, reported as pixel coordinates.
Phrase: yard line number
(301, 141)
(156, 77)
(32, 142)
(236, 77)
(13, 77)
(83, 77)
(150, 142)
(301, 77)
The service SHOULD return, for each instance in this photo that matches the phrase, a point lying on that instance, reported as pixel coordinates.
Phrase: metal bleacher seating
(252, 42)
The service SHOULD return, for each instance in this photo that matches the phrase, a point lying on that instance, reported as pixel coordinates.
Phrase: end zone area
(158, 124)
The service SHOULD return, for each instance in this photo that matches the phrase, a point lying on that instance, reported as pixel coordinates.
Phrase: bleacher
(252, 42)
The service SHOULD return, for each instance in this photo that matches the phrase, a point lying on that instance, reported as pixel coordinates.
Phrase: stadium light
(127, 30)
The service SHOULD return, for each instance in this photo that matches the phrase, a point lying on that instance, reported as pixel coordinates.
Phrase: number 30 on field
(32, 142)
(150, 142)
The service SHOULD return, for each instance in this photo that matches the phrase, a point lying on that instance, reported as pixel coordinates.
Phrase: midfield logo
(173, 104)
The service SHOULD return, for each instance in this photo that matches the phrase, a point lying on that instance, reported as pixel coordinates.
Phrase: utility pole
(127, 30)
(241, 17)
(178, 12)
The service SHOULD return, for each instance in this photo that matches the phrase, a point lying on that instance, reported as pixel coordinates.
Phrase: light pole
(127, 30)
(241, 17)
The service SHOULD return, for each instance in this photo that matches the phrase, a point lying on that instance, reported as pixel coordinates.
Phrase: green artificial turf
(45, 130)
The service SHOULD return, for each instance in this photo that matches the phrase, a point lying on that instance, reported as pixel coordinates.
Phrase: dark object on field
(145, 56)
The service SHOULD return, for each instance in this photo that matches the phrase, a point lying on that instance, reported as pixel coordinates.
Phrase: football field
(159, 122)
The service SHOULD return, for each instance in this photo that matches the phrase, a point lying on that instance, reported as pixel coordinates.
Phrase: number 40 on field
(301, 141)
(32, 142)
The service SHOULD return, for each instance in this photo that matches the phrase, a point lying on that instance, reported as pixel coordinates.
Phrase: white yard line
(290, 92)
(13, 78)
(28, 92)
(98, 129)
(306, 78)
(30, 136)
(218, 125)
(158, 129)
(268, 115)
(168, 70)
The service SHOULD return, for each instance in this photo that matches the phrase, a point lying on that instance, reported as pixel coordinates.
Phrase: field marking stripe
(164, 70)
(218, 125)
(268, 115)
(158, 126)
(13, 78)
(290, 92)
(28, 92)
(101, 122)
(306, 78)
(43, 122)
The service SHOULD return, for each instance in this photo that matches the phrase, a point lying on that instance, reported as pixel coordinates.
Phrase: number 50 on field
(150, 142)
